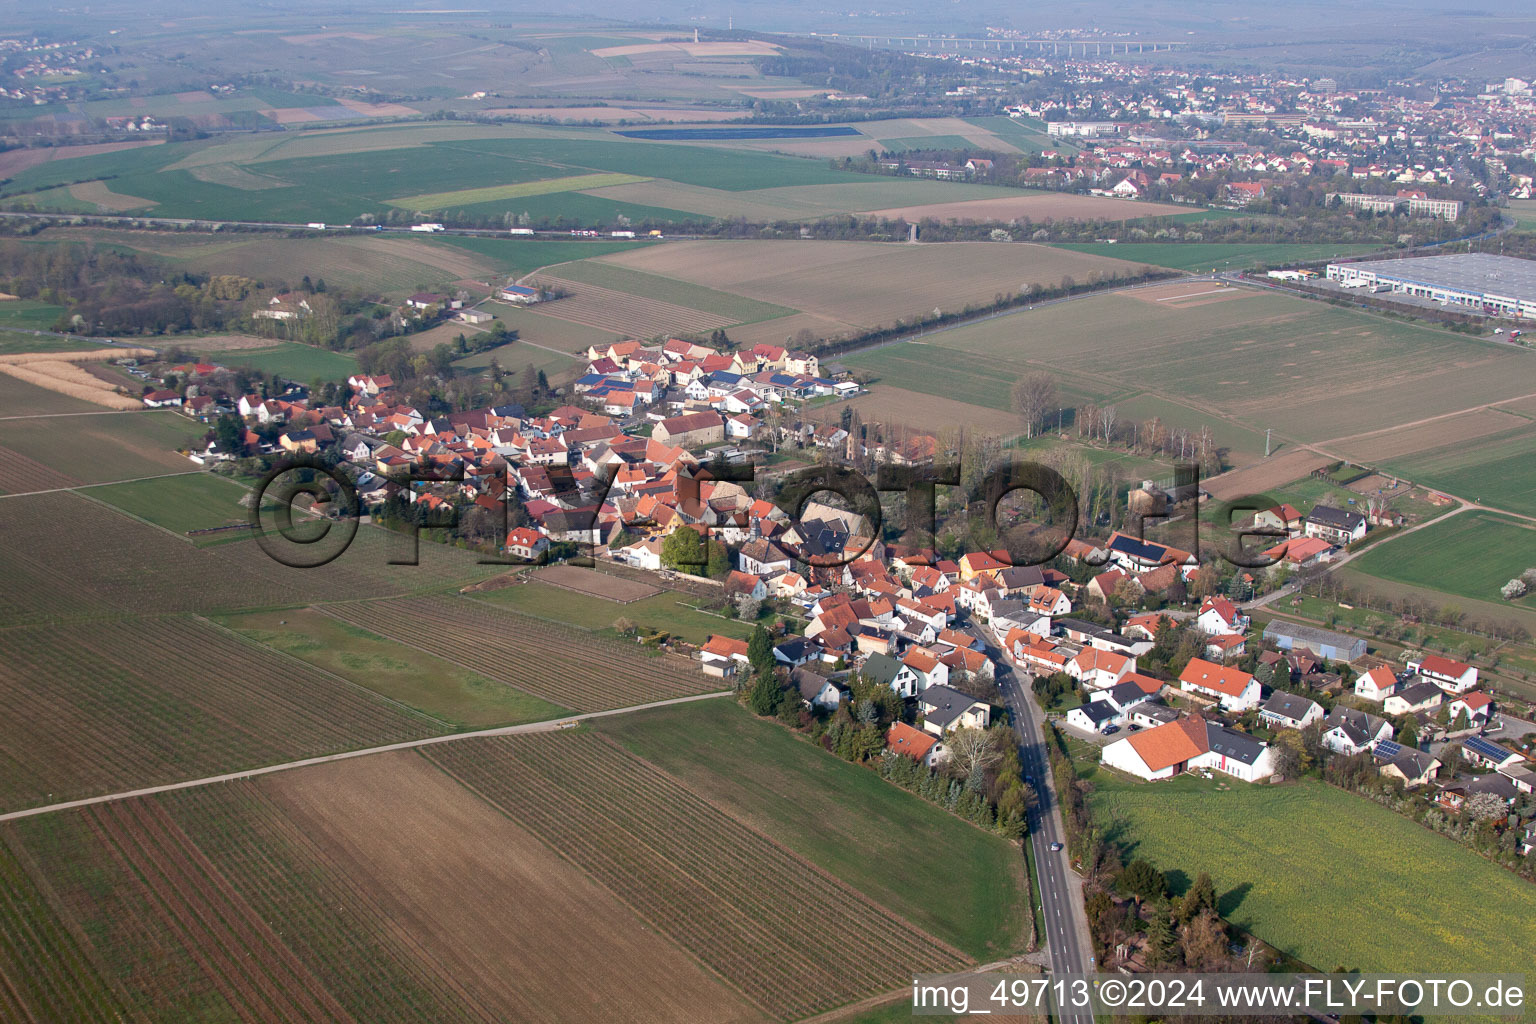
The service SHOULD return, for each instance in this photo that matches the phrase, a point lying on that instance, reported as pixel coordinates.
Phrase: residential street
(1061, 894)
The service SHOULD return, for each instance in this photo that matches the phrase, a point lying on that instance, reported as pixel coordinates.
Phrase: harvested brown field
(106, 200)
(1030, 207)
(863, 284)
(7, 297)
(631, 315)
(56, 372)
(112, 705)
(596, 584)
(379, 109)
(563, 664)
(290, 115)
(1395, 442)
(795, 940)
(1264, 476)
(225, 343)
(783, 330)
(520, 931)
(22, 475)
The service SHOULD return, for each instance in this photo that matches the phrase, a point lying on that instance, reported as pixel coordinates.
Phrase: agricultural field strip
(239, 952)
(136, 693)
(273, 863)
(344, 755)
(623, 313)
(494, 193)
(527, 653)
(42, 961)
(754, 937)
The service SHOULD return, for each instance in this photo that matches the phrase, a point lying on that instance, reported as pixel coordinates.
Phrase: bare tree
(1107, 415)
(972, 749)
(1034, 397)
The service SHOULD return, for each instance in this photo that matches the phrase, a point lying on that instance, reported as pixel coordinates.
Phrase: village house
(1335, 525)
(945, 709)
(1420, 696)
(920, 746)
(1234, 689)
(1289, 711)
(1446, 673)
(1377, 684)
(1187, 744)
(1350, 730)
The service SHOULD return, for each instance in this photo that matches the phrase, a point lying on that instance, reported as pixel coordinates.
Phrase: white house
(1186, 744)
(1451, 676)
(1289, 711)
(1350, 730)
(1421, 696)
(1098, 669)
(945, 709)
(1095, 716)
(1219, 617)
(724, 656)
(920, 670)
(1234, 689)
(1376, 685)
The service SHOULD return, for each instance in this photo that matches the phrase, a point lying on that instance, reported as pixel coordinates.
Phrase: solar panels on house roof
(1388, 749)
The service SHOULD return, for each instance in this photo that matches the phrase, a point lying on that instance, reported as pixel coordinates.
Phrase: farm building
(1291, 636)
(1499, 285)
(520, 293)
(691, 430)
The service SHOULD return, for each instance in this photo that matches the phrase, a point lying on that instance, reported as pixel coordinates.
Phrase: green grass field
(1326, 876)
(501, 193)
(28, 315)
(669, 611)
(668, 289)
(1471, 554)
(441, 689)
(1497, 470)
(519, 256)
(105, 449)
(1524, 212)
(1203, 258)
(198, 501)
(961, 884)
(303, 363)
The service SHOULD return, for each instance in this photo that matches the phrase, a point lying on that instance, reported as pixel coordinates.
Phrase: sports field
(1326, 876)
(1471, 554)
(303, 363)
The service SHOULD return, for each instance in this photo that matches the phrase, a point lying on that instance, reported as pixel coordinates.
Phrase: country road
(1061, 895)
(506, 730)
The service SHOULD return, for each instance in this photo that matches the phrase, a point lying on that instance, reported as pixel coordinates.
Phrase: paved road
(1061, 895)
(506, 730)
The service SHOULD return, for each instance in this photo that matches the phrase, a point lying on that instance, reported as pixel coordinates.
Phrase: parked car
(1110, 730)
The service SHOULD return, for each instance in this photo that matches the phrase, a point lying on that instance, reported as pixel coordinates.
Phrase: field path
(81, 487)
(506, 730)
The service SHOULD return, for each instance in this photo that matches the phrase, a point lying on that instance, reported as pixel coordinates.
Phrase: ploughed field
(556, 877)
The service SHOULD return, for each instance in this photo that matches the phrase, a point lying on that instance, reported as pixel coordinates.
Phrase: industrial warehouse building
(1481, 282)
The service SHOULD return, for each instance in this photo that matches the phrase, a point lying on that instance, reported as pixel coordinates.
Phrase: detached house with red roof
(724, 656)
(1446, 673)
(1219, 616)
(1232, 688)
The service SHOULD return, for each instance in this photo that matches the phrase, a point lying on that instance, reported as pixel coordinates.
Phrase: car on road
(1055, 847)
